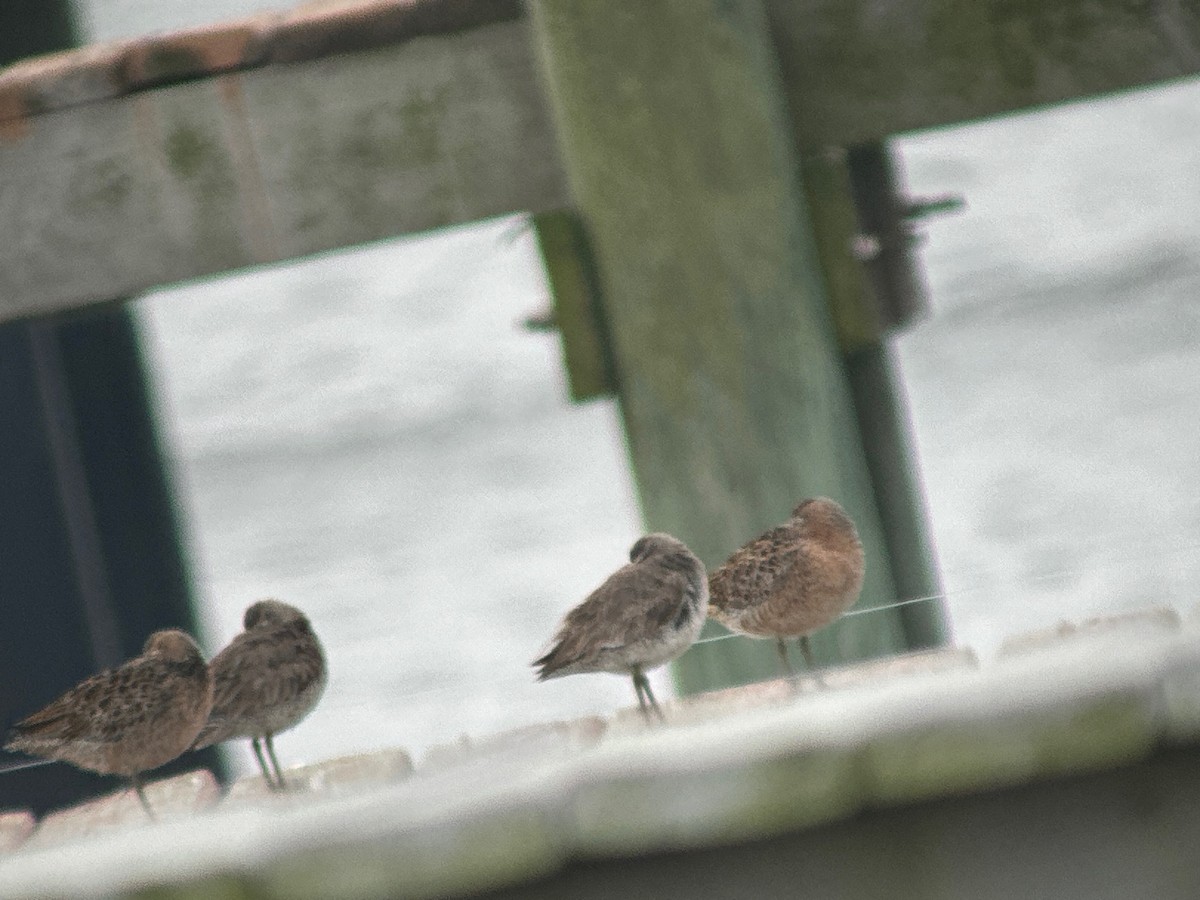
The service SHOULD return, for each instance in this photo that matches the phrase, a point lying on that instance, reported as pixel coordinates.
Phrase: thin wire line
(433, 691)
(24, 764)
(947, 595)
(845, 615)
(1032, 579)
(896, 605)
(1111, 560)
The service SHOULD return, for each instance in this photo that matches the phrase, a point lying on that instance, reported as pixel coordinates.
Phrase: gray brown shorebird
(267, 680)
(127, 720)
(645, 614)
(793, 580)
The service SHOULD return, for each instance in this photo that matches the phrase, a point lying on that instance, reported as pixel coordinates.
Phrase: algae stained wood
(111, 198)
(678, 147)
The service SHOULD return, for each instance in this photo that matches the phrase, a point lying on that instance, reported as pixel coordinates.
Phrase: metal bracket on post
(865, 238)
(886, 235)
(577, 313)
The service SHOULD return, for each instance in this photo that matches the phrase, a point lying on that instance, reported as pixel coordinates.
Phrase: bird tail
(50, 722)
(202, 739)
(548, 665)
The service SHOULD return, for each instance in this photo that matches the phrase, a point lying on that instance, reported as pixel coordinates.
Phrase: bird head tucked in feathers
(271, 612)
(656, 544)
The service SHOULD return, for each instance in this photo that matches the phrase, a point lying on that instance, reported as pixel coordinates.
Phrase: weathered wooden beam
(678, 144)
(860, 70)
(326, 127)
(109, 198)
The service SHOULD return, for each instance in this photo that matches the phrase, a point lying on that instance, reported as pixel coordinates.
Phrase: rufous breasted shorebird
(792, 580)
(128, 720)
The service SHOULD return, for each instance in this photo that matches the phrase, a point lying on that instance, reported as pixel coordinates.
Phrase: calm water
(372, 436)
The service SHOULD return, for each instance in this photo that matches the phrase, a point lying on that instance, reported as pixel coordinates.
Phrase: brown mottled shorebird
(267, 680)
(793, 580)
(645, 614)
(127, 720)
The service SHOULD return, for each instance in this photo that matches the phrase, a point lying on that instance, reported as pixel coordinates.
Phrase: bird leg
(637, 688)
(282, 785)
(783, 658)
(135, 781)
(262, 764)
(642, 686)
(809, 660)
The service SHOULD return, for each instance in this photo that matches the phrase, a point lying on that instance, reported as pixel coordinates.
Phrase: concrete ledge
(1181, 695)
(172, 798)
(343, 773)
(498, 844)
(15, 828)
(623, 805)
(781, 690)
(1126, 626)
(755, 767)
(524, 745)
(1115, 835)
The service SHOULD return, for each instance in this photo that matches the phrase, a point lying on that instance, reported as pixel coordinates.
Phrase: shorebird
(128, 720)
(267, 680)
(793, 580)
(645, 614)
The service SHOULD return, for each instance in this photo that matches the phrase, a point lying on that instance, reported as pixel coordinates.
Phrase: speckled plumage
(127, 720)
(645, 614)
(792, 580)
(265, 681)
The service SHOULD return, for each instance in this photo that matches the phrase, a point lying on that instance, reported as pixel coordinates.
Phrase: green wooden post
(680, 154)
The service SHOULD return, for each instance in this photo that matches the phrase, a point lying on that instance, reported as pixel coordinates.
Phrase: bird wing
(96, 709)
(752, 571)
(632, 601)
(260, 669)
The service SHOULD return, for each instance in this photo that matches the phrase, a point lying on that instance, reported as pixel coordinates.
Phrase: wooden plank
(735, 401)
(447, 124)
(108, 199)
(860, 70)
(55, 209)
(438, 132)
